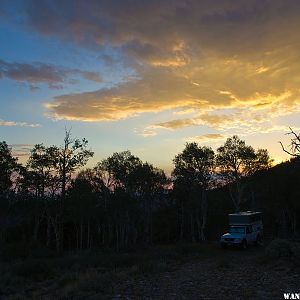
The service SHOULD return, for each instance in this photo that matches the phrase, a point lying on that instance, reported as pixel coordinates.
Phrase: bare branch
(286, 151)
(294, 145)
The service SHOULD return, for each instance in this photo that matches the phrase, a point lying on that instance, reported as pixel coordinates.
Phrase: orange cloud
(210, 137)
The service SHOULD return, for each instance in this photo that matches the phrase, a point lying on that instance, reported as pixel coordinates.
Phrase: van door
(250, 234)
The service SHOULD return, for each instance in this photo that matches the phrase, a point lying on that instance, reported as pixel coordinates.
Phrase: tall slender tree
(237, 161)
(192, 174)
(8, 165)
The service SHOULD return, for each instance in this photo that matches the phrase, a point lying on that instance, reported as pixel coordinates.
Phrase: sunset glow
(149, 76)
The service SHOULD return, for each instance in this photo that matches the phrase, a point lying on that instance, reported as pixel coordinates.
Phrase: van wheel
(244, 245)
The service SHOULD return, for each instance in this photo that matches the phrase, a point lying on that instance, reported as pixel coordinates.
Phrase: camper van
(245, 228)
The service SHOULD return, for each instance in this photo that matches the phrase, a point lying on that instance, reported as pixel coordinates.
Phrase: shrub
(279, 248)
(90, 283)
(42, 252)
(34, 269)
(24, 249)
(16, 250)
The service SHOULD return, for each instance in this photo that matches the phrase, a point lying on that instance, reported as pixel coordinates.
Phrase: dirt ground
(197, 271)
(225, 274)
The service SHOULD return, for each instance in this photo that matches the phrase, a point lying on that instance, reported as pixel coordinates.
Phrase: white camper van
(244, 228)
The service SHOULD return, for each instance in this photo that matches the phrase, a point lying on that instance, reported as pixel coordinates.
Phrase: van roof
(246, 213)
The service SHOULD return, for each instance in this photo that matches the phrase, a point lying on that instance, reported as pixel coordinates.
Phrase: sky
(149, 76)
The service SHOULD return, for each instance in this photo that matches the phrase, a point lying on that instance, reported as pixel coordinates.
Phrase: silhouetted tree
(294, 151)
(8, 165)
(123, 202)
(81, 210)
(148, 184)
(128, 192)
(237, 161)
(8, 169)
(51, 168)
(192, 174)
(294, 147)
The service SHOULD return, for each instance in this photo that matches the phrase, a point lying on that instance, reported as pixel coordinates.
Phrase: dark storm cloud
(158, 25)
(37, 72)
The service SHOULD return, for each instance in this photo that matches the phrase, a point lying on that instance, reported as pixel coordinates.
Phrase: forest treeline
(53, 203)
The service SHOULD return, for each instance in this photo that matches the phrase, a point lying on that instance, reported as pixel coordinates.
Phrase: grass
(93, 273)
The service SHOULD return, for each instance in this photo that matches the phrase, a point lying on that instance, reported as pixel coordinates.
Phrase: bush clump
(90, 284)
(15, 250)
(33, 269)
(279, 248)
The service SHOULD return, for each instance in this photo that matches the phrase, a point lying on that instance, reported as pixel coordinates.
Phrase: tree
(294, 151)
(120, 167)
(192, 175)
(40, 179)
(129, 190)
(81, 210)
(67, 159)
(148, 183)
(64, 161)
(237, 161)
(40, 170)
(8, 165)
(294, 145)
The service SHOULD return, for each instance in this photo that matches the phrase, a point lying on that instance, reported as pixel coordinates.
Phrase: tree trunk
(182, 223)
(81, 235)
(203, 215)
(235, 197)
(36, 228)
(56, 227)
(283, 224)
(48, 231)
(294, 224)
(192, 227)
(88, 235)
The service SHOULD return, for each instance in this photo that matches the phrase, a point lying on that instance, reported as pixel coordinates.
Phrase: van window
(235, 229)
(249, 229)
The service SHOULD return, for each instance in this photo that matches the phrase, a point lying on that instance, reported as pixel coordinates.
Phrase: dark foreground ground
(165, 272)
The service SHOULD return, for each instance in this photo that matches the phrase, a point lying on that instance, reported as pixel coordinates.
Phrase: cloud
(242, 121)
(176, 124)
(20, 124)
(37, 73)
(210, 137)
(151, 93)
(92, 76)
(161, 29)
(240, 58)
(21, 150)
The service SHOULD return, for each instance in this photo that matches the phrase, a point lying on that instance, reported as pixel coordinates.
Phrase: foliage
(279, 248)
(192, 175)
(194, 163)
(8, 165)
(237, 161)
